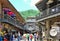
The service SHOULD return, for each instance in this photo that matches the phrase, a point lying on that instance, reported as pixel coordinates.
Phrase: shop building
(7, 21)
(49, 19)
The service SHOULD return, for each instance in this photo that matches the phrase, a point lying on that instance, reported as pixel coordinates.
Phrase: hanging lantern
(13, 15)
(6, 10)
(10, 13)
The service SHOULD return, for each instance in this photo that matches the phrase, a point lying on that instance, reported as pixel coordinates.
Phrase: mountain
(28, 13)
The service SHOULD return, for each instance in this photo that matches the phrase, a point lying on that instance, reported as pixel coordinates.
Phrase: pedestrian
(15, 38)
(11, 37)
(24, 36)
(1, 36)
(27, 36)
(1, 39)
(35, 36)
(5, 36)
(19, 36)
(5, 39)
(31, 36)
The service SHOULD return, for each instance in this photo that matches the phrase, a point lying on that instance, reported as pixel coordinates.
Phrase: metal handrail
(12, 20)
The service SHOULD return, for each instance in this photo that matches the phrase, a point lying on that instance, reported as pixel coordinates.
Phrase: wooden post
(47, 29)
(0, 16)
(0, 8)
(0, 11)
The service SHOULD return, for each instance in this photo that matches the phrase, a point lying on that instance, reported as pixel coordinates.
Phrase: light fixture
(53, 10)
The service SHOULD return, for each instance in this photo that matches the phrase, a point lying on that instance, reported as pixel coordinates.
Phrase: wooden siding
(7, 4)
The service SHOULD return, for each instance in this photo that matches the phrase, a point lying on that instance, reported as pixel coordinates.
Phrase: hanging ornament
(10, 13)
(6, 10)
(13, 15)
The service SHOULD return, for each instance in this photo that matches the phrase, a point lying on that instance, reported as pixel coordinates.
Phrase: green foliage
(28, 13)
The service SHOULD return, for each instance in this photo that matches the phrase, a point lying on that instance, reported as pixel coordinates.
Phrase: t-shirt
(1, 33)
(35, 35)
(24, 35)
(31, 36)
(27, 35)
(10, 13)
(5, 39)
(15, 39)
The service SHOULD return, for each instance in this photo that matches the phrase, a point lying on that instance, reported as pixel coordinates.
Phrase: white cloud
(33, 2)
(25, 0)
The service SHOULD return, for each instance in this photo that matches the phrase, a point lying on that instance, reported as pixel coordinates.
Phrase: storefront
(50, 18)
(10, 19)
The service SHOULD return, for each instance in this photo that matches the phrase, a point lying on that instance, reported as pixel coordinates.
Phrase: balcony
(12, 21)
(49, 13)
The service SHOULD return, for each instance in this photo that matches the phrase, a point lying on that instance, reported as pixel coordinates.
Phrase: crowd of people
(30, 37)
(17, 36)
(6, 35)
(10, 36)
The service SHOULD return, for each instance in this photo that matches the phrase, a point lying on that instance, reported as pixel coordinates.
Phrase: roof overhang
(41, 5)
(49, 17)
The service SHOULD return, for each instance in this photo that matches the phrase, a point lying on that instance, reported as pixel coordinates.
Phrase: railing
(12, 21)
(49, 12)
(9, 19)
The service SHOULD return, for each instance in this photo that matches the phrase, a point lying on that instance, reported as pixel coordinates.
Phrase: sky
(22, 5)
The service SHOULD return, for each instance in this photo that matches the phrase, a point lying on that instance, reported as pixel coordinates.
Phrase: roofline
(39, 2)
(15, 9)
(9, 5)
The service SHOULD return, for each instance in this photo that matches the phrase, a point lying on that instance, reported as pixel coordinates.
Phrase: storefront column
(47, 29)
(0, 16)
(0, 11)
(40, 32)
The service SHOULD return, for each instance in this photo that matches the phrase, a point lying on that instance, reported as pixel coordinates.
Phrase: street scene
(29, 20)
